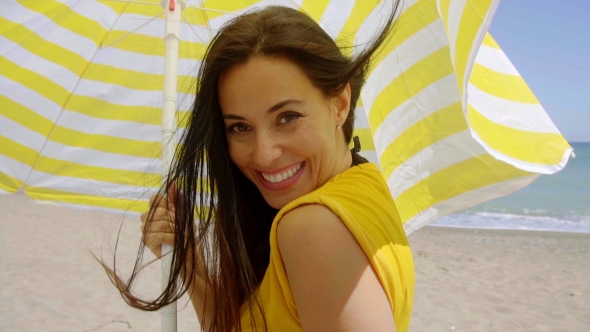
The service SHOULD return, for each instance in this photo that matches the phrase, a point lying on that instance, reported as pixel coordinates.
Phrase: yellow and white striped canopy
(444, 113)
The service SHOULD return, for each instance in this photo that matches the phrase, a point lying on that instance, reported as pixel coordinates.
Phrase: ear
(342, 105)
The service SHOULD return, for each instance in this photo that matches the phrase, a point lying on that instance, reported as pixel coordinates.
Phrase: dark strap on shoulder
(357, 159)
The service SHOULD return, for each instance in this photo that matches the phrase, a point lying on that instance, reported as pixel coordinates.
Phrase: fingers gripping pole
(171, 39)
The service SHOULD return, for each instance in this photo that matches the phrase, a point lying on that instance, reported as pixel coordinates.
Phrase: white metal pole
(173, 10)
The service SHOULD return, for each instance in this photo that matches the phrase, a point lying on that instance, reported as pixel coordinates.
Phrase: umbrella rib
(130, 32)
(211, 10)
(70, 95)
(137, 2)
(207, 19)
(191, 26)
(226, 12)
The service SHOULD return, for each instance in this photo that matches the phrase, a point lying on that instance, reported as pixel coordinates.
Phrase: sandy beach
(495, 280)
(466, 280)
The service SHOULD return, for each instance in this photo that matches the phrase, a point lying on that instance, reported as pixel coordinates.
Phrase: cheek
(311, 142)
(318, 132)
(239, 156)
(236, 155)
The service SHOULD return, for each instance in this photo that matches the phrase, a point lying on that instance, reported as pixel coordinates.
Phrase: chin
(279, 201)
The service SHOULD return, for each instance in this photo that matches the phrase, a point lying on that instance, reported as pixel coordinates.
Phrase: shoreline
(509, 231)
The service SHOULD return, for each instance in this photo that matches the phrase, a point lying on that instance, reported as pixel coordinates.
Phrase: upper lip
(276, 171)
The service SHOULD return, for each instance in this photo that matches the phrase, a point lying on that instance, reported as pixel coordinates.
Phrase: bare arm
(334, 285)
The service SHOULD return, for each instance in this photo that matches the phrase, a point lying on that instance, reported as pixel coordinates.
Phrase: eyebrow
(270, 110)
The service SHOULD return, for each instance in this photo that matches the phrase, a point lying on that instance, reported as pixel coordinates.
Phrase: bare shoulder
(310, 220)
(334, 286)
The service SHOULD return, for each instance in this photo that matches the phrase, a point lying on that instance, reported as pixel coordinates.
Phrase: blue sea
(557, 202)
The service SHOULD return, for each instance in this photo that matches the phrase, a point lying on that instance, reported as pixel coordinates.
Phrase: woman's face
(281, 130)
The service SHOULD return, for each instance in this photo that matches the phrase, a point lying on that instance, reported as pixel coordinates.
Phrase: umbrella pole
(173, 10)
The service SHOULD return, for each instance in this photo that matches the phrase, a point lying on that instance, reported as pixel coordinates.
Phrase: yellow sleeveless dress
(361, 198)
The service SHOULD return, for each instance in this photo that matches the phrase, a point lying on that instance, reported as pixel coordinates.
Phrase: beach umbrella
(444, 113)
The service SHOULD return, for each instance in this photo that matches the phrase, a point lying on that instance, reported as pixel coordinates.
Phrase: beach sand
(466, 280)
(49, 281)
(500, 280)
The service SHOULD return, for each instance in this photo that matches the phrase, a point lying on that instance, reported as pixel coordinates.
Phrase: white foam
(492, 220)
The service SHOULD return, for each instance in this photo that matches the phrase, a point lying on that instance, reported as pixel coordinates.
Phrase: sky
(549, 44)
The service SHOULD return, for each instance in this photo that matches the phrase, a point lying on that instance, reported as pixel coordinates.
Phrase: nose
(266, 149)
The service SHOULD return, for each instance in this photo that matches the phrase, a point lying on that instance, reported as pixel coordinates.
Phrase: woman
(294, 232)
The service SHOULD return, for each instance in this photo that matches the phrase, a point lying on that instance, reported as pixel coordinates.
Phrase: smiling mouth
(283, 176)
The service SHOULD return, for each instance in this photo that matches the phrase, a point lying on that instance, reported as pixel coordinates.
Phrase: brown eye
(238, 128)
(286, 118)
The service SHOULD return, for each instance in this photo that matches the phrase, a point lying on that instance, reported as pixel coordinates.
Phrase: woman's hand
(161, 227)
(161, 230)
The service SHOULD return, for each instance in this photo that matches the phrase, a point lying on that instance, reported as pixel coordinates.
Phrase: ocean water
(557, 202)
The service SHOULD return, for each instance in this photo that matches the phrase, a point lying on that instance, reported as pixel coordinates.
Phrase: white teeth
(276, 178)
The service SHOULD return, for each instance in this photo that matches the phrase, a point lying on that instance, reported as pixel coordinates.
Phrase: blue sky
(549, 44)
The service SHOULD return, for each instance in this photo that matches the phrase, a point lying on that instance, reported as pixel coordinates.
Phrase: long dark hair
(219, 211)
